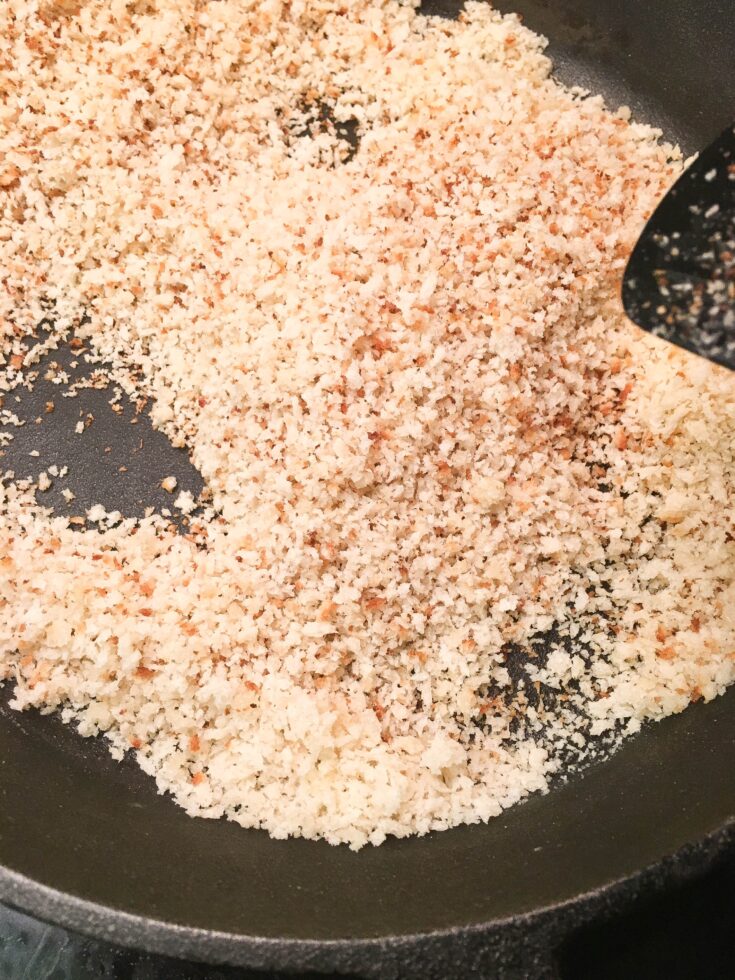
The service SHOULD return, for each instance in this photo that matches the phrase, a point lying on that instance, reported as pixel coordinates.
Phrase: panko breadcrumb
(467, 524)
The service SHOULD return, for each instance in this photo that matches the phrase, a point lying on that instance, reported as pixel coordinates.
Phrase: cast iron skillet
(88, 844)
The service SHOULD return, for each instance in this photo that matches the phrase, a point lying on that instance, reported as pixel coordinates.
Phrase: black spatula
(680, 280)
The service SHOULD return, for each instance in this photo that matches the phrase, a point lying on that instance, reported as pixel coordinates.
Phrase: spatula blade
(680, 281)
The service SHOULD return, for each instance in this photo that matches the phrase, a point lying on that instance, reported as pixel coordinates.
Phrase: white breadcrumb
(169, 483)
(185, 502)
(429, 433)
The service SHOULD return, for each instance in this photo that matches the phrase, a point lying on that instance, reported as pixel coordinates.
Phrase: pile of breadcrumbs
(466, 522)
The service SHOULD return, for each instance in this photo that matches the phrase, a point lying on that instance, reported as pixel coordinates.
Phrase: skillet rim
(215, 947)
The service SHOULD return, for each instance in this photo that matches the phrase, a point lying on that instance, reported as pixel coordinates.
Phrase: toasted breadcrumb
(454, 494)
(185, 502)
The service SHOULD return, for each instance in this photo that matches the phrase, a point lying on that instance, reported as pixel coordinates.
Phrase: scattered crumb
(185, 502)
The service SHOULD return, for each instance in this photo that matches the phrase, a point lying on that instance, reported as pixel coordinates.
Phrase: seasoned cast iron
(89, 844)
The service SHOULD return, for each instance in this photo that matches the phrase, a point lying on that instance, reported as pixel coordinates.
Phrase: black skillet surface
(683, 933)
(89, 844)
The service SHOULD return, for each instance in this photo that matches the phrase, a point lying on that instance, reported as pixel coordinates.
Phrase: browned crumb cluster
(465, 518)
